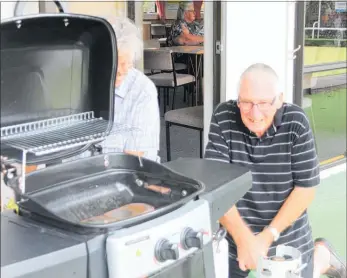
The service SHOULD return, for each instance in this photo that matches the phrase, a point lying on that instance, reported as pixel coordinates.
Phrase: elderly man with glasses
(275, 141)
(186, 31)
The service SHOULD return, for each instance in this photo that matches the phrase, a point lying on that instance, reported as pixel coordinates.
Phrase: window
(333, 15)
(324, 97)
(149, 7)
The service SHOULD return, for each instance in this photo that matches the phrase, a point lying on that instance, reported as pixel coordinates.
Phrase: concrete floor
(184, 142)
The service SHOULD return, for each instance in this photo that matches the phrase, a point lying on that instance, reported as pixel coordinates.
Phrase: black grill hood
(56, 65)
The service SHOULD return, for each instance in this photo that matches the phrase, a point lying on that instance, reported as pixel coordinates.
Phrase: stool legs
(201, 144)
(168, 148)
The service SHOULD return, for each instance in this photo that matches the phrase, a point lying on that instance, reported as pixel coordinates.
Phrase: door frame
(299, 40)
(212, 62)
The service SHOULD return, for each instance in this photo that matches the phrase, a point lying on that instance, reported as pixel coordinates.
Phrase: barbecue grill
(57, 86)
(108, 215)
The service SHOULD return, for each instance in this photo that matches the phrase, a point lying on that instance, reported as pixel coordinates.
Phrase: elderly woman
(135, 99)
(186, 31)
(136, 102)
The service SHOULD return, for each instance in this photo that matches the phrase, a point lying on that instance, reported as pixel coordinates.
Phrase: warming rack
(56, 134)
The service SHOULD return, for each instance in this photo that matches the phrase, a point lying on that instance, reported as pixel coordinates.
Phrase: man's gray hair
(129, 36)
(260, 69)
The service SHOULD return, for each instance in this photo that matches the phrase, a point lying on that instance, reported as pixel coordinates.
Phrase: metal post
(319, 15)
(139, 23)
(223, 57)
(299, 39)
(24, 164)
(209, 50)
(313, 28)
(42, 7)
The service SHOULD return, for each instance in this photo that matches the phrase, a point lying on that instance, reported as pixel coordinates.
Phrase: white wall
(7, 8)
(98, 8)
(171, 10)
(258, 31)
(90, 7)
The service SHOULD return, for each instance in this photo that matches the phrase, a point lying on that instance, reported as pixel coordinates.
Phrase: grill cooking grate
(57, 134)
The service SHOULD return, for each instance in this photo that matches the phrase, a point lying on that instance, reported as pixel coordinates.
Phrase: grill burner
(121, 213)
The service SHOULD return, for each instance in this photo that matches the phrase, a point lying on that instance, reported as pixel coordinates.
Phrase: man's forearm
(297, 202)
(234, 224)
(136, 153)
(195, 38)
(189, 38)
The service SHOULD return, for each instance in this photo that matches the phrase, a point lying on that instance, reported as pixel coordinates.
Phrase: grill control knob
(190, 239)
(164, 251)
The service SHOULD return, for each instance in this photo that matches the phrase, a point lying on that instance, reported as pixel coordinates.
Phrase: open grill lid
(57, 85)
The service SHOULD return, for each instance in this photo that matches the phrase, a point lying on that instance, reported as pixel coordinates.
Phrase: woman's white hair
(129, 36)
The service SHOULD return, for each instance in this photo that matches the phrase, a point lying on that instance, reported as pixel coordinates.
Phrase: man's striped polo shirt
(282, 158)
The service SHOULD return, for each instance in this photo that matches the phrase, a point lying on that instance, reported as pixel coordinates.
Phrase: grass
(327, 116)
(328, 212)
(329, 110)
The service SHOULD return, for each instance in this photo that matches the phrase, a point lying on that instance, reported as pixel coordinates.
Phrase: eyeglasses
(262, 106)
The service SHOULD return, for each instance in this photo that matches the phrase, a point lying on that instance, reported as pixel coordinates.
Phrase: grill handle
(20, 5)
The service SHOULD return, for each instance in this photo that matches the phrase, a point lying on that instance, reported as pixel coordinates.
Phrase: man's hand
(247, 253)
(251, 248)
(264, 241)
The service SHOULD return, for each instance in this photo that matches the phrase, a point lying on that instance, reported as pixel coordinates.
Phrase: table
(197, 52)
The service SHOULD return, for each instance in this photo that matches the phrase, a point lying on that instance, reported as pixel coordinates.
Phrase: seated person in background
(135, 98)
(186, 31)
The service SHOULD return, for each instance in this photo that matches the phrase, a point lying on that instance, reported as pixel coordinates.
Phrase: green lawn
(328, 212)
(329, 109)
(328, 120)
